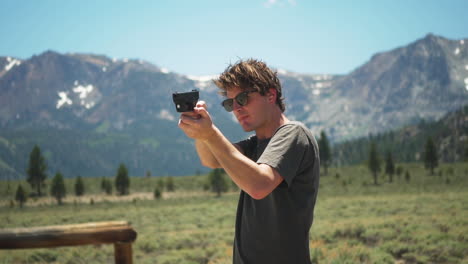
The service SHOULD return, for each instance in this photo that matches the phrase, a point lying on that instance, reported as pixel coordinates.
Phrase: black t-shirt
(276, 228)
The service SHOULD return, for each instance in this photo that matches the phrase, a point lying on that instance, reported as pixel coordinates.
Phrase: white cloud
(270, 3)
(165, 114)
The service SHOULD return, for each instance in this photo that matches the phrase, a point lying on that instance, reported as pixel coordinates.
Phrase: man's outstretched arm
(258, 180)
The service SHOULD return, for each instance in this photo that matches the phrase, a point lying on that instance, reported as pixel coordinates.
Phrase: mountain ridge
(124, 106)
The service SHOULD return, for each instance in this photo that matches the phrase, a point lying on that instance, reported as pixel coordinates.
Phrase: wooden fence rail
(119, 233)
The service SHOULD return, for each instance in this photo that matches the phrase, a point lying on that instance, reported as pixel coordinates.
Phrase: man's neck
(277, 119)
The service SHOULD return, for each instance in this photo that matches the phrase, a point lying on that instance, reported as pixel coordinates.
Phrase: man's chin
(247, 128)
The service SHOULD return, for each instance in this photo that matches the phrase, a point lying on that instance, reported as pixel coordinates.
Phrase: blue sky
(203, 37)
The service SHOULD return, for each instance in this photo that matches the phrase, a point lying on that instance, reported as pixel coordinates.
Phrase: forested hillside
(449, 133)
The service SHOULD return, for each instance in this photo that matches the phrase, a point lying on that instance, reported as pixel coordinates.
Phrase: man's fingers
(190, 114)
(186, 128)
(201, 104)
(202, 112)
(188, 119)
(182, 125)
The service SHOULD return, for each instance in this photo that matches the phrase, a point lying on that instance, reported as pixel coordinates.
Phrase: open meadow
(415, 219)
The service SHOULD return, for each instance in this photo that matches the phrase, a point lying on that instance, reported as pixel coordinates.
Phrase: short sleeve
(286, 151)
(248, 146)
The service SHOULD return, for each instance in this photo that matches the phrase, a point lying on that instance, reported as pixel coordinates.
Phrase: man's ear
(272, 95)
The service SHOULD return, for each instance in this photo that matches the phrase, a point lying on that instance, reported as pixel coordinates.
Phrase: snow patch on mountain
(203, 82)
(63, 99)
(83, 91)
(87, 96)
(11, 63)
(322, 77)
(281, 71)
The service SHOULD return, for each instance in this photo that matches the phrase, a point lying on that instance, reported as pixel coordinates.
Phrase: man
(277, 170)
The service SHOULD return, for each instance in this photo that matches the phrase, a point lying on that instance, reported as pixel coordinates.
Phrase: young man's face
(253, 115)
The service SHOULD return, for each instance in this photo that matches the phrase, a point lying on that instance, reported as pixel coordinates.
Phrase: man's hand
(197, 124)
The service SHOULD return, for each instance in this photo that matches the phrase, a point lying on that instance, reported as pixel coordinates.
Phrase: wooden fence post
(123, 253)
(119, 233)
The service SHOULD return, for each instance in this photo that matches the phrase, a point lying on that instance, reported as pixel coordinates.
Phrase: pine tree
(389, 166)
(157, 193)
(324, 151)
(407, 176)
(218, 182)
(374, 161)
(57, 189)
(170, 184)
(160, 183)
(103, 183)
(36, 170)
(79, 186)
(122, 181)
(466, 152)
(431, 159)
(20, 196)
(399, 171)
(106, 186)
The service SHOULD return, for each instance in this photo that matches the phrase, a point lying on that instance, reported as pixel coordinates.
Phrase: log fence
(119, 233)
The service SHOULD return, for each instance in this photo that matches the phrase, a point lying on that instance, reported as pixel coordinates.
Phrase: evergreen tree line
(347, 153)
(36, 177)
(374, 159)
(409, 144)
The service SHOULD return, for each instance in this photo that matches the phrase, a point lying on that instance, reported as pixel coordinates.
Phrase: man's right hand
(197, 124)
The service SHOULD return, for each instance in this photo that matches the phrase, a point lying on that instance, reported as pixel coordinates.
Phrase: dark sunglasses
(241, 99)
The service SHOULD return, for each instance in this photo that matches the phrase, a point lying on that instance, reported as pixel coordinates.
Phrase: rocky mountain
(423, 80)
(90, 112)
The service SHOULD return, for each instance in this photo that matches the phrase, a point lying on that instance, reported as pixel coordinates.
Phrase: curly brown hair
(250, 75)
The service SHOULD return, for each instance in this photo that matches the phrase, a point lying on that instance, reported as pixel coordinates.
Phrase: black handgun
(185, 102)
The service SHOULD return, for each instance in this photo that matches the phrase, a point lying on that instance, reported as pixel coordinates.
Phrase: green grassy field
(423, 220)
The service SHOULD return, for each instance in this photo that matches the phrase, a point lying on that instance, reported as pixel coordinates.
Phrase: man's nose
(236, 106)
